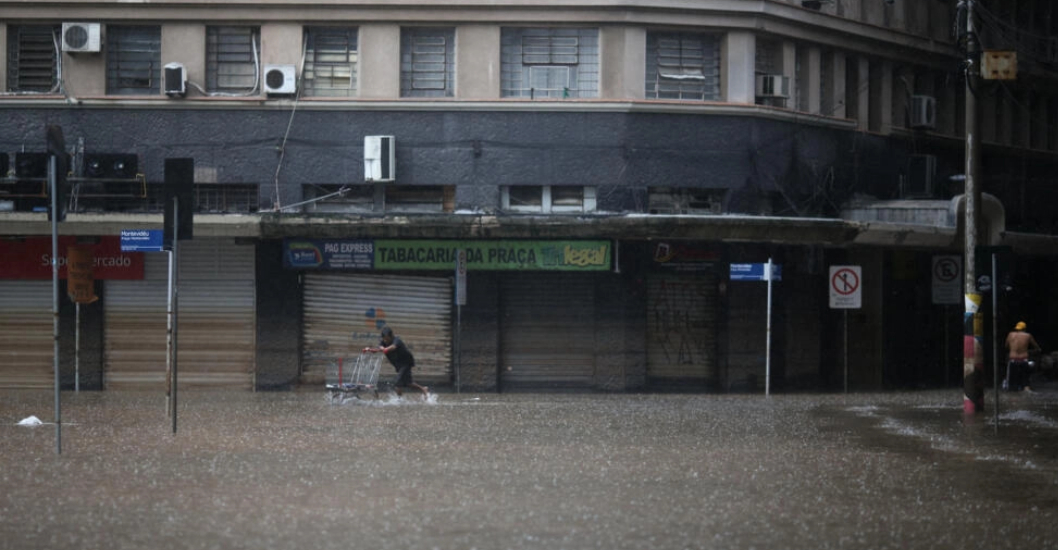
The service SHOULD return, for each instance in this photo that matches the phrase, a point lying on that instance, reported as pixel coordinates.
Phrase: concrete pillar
(863, 93)
(789, 70)
(282, 44)
(185, 43)
(379, 61)
(623, 62)
(903, 88)
(947, 110)
(838, 92)
(884, 101)
(812, 73)
(738, 67)
(3, 55)
(478, 46)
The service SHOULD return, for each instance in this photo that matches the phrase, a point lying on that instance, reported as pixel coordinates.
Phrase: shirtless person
(1020, 343)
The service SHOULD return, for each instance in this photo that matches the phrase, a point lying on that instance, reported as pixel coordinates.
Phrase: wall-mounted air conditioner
(175, 79)
(280, 79)
(379, 158)
(923, 112)
(81, 37)
(921, 170)
(773, 85)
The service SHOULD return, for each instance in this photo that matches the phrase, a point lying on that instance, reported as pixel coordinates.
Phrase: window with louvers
(683, 66)
(31, 58)
(427, 66)
(550, 63)
(134, 60)
(330, 62)
(232, 59)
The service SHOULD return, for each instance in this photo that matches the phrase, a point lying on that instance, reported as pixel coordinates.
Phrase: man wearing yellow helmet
(1020, 343)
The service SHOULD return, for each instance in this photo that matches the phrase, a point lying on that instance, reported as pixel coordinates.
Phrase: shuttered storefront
(215, 320)
(344, 312)
(27, 345)
(548, 331)
(681, 328)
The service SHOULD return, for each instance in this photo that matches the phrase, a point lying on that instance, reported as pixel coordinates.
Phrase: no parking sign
(845, 283)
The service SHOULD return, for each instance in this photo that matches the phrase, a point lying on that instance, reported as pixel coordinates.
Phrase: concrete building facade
(601, 164)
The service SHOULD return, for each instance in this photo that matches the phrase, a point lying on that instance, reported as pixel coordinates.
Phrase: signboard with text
(30, 258)
(947, 277)
(440, 255)
(846, 288)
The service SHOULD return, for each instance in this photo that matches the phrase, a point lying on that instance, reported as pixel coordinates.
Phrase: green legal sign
(494, 255)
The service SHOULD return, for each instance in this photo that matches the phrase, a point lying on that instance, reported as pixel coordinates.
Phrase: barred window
(232, 59)
(548, 198)
(134, 56)
(32, 58)
(683, 66)
(550, 62)
(330, 62)
(427, 62)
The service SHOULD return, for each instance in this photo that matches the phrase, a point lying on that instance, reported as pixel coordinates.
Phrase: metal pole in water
(54, 187)
(77, 351)
(845, 346)
(995, 342)
(767, 352)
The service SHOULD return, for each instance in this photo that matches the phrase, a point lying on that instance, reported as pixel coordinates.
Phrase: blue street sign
(141, 240)
(754, 272)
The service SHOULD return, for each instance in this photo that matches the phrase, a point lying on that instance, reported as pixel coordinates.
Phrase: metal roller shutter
(343, 313)
(681, 328)
(27, 345)
(215, 320)
(548, 331)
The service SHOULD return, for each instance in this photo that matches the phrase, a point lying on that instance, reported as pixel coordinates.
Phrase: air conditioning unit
(773, 85)
(921, 170)
(81, 37)
(175, 79)
(923, 112)
(280, 79)
(379, 160)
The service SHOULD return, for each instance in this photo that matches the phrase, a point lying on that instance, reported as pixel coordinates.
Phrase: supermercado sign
(441, 255)
(30, 258)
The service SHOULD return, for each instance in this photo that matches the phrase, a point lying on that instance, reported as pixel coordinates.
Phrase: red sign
(30, 258)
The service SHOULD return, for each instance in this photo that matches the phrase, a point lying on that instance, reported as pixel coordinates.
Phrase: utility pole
(973, 318)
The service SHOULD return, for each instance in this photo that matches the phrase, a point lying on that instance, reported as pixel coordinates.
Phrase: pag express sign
(30, 258)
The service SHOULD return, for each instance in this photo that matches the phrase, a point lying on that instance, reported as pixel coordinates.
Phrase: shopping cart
(353, 378)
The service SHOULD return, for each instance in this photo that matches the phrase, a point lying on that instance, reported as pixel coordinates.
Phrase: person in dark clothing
(403, 361)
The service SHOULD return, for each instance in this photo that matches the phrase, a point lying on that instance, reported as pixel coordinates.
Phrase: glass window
(427, 62)
(232, 59)
(550, 62)
(134, 56)
(548, 198)
(683, 66)
(32, 58)
(330, 62)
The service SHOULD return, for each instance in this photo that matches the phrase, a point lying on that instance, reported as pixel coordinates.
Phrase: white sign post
(761, 272)
(461, 300)
(845, 286)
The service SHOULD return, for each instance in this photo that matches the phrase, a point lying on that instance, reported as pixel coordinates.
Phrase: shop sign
(328, 254)
(30, 258)
(508, 255)
(676, 256)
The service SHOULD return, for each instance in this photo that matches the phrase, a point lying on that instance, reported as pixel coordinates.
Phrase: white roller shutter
(681, 328)
(215, 320)
(344, 312)
(27, 345)
(548, 331)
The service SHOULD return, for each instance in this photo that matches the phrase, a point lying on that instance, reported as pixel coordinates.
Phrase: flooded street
(521, 471)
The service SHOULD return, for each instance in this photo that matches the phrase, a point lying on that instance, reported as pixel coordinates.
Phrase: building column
(836, 86)
(863, 93)
(789, 70)
(477, 46)
(737, 71)
(623, 62)
(380, 64)
(812, 73)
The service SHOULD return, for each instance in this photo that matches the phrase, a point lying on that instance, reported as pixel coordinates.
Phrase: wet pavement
(527, 471)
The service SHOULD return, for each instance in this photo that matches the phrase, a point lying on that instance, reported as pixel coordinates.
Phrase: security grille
(330, 62)
(683, 66)
(134, 64)
(427, 62)
(232, 59)
(32, 59)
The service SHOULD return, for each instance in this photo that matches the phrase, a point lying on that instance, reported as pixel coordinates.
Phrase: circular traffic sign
(845, 281)
(946, 270)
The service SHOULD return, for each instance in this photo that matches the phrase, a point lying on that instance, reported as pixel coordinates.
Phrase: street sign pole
(53, 190)
(767, 346)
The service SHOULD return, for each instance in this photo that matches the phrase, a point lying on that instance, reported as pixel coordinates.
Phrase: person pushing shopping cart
(398, 355)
